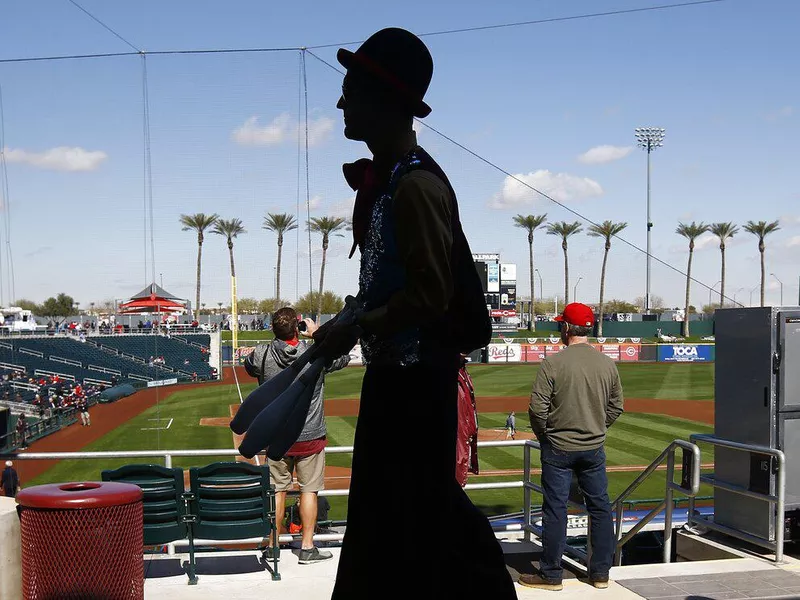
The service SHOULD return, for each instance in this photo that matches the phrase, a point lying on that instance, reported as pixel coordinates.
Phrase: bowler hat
(397, 59)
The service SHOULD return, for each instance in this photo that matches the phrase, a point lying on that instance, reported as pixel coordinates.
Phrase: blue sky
(532, 99)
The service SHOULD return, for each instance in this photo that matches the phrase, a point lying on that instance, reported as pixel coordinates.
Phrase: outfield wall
(621, 350)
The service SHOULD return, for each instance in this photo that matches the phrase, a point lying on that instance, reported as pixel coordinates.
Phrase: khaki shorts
(310, 472)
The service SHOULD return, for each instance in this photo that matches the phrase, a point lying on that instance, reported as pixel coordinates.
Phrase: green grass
(634, 440)
(693, 381)
(185, 408)
(248, 335)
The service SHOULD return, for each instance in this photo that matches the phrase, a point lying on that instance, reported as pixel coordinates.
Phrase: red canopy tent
(153, 299)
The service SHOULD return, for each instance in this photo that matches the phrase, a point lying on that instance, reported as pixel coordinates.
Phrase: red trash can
(82, 540)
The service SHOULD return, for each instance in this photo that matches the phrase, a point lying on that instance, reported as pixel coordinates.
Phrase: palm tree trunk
(233, 268)
(566, 274)
(532, 309)
(722, 277)
(278, 270)
(762, 276)
(688, 287)
(321, 278)
(602, 293)
(199, 259)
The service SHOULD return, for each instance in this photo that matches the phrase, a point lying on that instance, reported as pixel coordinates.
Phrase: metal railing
(774, 543)
(528, 486)
(690, 475)
(689, 486)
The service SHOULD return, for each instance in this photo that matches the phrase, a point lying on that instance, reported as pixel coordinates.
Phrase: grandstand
(109, 359)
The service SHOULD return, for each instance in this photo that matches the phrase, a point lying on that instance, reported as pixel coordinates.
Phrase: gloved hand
(322, 331)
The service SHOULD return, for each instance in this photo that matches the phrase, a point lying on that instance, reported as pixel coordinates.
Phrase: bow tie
(362, 179)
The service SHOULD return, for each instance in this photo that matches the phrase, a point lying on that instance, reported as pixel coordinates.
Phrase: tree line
(280, 224)
(609, 229)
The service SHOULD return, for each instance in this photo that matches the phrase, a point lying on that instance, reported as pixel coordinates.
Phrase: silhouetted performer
(422, 303)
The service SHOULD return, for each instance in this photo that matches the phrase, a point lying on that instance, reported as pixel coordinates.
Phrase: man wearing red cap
(577, 396)
(421, 305)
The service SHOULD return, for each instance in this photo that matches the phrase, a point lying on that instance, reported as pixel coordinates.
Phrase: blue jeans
(590, 468)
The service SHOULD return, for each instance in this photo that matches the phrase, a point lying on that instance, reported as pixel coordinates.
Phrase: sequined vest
(382, 273)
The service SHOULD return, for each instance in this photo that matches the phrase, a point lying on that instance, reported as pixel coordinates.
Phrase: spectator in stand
(22, 431)
(18, 397)
(10, 480)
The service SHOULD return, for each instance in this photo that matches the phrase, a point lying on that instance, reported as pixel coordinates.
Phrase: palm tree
(198, 222)
(690, 232)
(326, 226)
(280, 224)
(724, 231)
(607, 230)
(565, 230)
(762, 229)
(531, 223)
(230, 228)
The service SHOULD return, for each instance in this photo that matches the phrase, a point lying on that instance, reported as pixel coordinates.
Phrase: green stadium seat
(234, 500)
(166, 518)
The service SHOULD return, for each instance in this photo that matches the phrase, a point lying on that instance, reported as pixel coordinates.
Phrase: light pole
(541, 294)
(734, 295)
(648, 139)
(751, 294)
(779, 281)
(711, 289)
(575, 290)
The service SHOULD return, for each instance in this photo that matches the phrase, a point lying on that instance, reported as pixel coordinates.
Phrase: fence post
(526, 455)
(668, 506)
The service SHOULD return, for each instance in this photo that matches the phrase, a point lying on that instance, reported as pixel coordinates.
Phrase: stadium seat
(234, 500)
(166, 518)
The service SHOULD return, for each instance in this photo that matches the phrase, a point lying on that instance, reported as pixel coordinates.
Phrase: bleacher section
(175, 350)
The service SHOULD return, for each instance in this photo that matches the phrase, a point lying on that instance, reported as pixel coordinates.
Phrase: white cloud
(789, 221)
(782, 113)
(315, 202)
(600, 155)
(707, 240)
(793, 241)
(62, 158)
(281, 129)
(559, 186)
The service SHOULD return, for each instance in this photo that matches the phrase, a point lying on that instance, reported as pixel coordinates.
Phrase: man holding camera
(306, 457)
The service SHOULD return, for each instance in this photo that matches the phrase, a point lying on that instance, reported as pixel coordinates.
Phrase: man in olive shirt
(577, 396)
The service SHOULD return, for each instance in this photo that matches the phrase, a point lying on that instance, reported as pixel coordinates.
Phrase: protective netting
(78, 554)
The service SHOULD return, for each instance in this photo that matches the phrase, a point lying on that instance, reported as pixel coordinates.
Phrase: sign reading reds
(503, 313)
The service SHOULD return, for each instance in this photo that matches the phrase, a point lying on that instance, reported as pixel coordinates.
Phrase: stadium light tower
(779, 281)
(649, 138)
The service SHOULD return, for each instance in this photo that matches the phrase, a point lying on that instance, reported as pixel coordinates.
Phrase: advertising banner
(508, 296)
(533, 353)
(504, 353)
(499, 312)
(610, 350)
(493, 277)
(508, 273)
(162, 382)
(685, 352)
(551, 349)
(629, 352)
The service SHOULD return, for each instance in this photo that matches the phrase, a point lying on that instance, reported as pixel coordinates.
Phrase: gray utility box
(757, 401)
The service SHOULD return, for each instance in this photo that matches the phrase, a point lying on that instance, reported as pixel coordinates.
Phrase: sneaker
(540, 583)
(270, 553)
(601, 583)
(313, 555)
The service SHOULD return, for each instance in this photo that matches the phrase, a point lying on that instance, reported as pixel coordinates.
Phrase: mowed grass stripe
(671, 425)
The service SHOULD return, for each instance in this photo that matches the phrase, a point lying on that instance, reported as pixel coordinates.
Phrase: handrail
(667, 505)
(775, 542)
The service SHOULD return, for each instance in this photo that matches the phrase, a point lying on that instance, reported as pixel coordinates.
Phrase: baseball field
(663, 402)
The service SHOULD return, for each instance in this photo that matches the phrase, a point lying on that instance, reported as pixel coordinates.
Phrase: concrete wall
(10, 551)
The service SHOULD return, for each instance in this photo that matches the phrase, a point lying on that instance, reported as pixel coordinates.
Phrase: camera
(301, 326)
